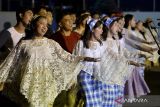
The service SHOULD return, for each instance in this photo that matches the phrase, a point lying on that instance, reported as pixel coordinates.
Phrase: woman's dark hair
(81, 19)
(120, 35)
(88, 34)
(105, 32)
(127, 18)
(119, 18)
(61, 13)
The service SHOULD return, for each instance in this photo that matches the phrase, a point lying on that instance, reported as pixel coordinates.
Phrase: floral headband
(109, 21)
(91, 23)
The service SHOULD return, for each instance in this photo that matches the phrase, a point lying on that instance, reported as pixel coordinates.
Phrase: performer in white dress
(37, 70)
(100, 81)
(136, 85)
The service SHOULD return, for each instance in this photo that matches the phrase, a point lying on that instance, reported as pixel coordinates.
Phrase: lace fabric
(113, 67)
(43, 68)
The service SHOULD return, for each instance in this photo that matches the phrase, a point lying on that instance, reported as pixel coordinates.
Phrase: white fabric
(95, 52)
(112, 69)
(16, 36)
(130, 44)
(149, 36)
(131, 47)
(118, 47)
(139, 35)
(43, 68)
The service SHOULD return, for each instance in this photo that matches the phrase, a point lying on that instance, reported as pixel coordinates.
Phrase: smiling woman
(39, 26)
(39, 68)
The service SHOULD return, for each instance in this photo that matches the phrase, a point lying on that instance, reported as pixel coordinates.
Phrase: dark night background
(100, 5)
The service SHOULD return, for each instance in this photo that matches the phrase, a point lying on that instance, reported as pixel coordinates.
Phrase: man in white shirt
(10, 37)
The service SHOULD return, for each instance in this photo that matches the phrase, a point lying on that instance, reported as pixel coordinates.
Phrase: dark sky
(125, 5)
(142, 5)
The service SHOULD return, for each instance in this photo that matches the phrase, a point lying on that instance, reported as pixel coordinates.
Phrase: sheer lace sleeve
(64, 55)
(136, 45)
(10, 63)
(78, 50)
(70, 63)
(43, 69)
(129, 54)
(49, 70)
(114, 68)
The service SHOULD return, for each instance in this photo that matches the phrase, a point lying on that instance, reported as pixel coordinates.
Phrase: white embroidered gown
(39, 69)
